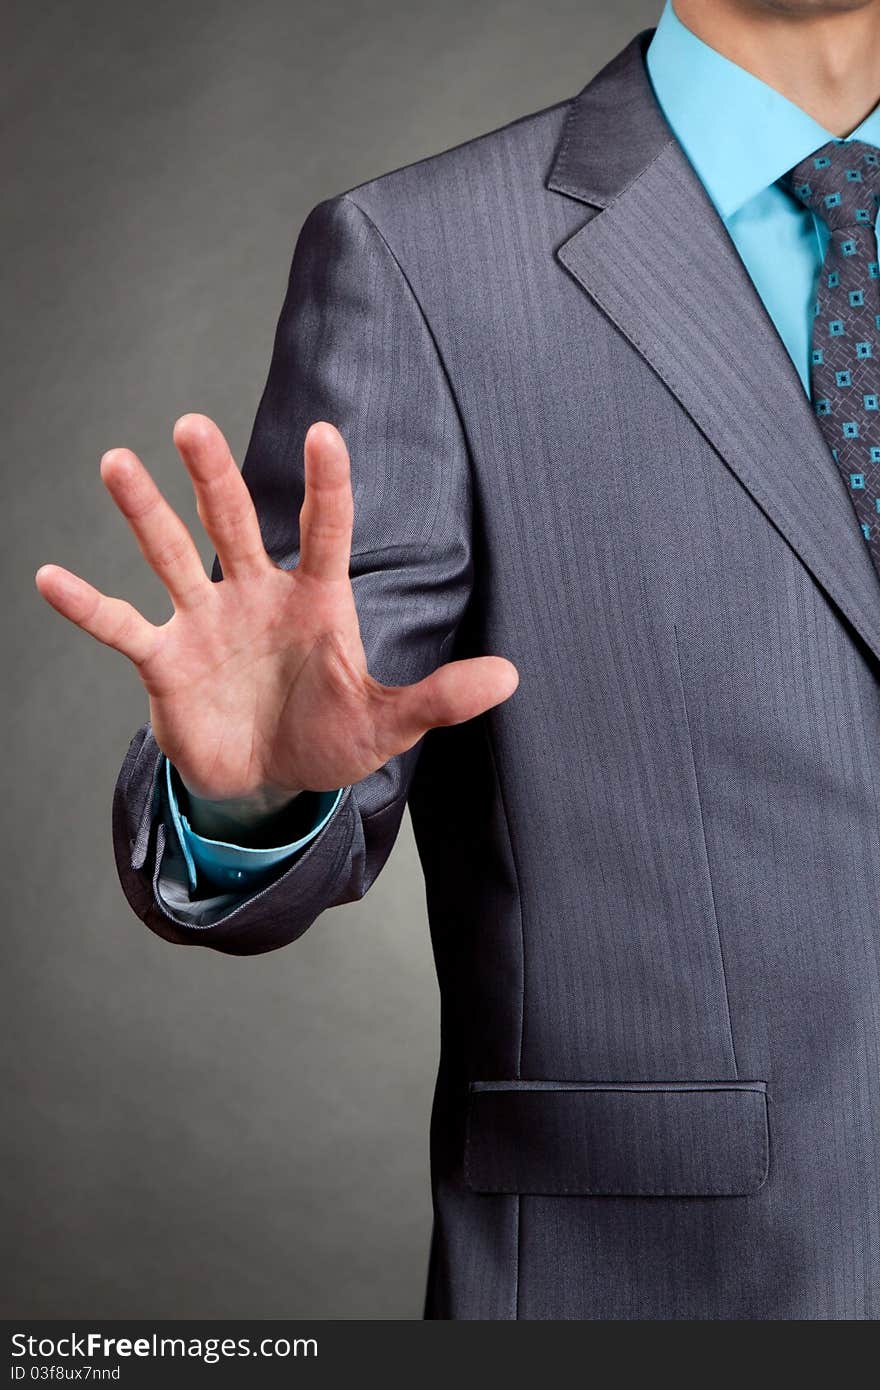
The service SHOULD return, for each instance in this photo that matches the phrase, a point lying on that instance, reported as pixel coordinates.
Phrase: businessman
(598, 596)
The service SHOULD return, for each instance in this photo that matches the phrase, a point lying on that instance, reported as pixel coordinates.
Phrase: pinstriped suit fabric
(577, 441)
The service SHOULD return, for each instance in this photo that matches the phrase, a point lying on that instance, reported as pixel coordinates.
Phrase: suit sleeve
(352, 347)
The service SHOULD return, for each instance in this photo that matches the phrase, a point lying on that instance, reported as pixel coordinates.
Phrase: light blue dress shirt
(740, 136)
(230, 867)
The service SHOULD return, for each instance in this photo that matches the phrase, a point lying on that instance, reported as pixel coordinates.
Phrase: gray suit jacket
(651, 874)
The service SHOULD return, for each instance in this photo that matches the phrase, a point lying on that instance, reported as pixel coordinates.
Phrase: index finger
(327, 512)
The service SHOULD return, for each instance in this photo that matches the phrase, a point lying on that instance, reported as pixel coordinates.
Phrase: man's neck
(828, 64)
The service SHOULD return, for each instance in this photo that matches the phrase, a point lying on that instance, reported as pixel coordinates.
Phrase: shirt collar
(739, 133)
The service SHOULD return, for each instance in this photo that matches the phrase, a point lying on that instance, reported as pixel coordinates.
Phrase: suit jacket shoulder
(474, 180)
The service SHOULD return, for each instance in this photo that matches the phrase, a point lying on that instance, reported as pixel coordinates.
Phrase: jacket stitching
(705, 845)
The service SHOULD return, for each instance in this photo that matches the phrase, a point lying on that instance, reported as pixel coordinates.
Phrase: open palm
(260, 682)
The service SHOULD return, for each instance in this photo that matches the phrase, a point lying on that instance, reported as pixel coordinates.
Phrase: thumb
(455, 692)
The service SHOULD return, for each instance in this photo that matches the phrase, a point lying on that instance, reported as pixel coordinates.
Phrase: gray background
(192, 1135)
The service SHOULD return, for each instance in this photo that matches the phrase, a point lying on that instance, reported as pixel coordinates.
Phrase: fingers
(451, 694)
(224, 503)
(111, 620)
(165, 543)
(327, 512)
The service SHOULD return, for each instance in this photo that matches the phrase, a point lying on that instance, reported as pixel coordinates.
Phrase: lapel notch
(658, 261)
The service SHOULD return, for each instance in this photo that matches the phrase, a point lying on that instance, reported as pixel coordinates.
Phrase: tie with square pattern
(841, 184)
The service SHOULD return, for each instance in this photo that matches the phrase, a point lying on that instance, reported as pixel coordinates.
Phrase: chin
(810, 8)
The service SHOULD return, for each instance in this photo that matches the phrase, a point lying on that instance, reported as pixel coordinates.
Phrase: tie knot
(839, 182)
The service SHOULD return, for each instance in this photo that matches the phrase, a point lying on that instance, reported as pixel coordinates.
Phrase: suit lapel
(658, 261)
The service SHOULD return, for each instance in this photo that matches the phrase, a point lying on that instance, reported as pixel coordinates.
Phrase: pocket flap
(663, 1139)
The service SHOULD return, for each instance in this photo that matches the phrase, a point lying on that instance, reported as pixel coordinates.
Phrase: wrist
(259, 813)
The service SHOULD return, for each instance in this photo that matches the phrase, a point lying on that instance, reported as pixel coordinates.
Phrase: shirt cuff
(231, 866)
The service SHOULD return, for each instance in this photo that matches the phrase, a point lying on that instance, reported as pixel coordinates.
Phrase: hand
(258, 684)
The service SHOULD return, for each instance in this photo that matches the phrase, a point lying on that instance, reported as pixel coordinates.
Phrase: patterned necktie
(841, 183)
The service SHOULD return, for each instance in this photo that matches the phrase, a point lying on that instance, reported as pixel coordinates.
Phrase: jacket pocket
(645, 1139)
